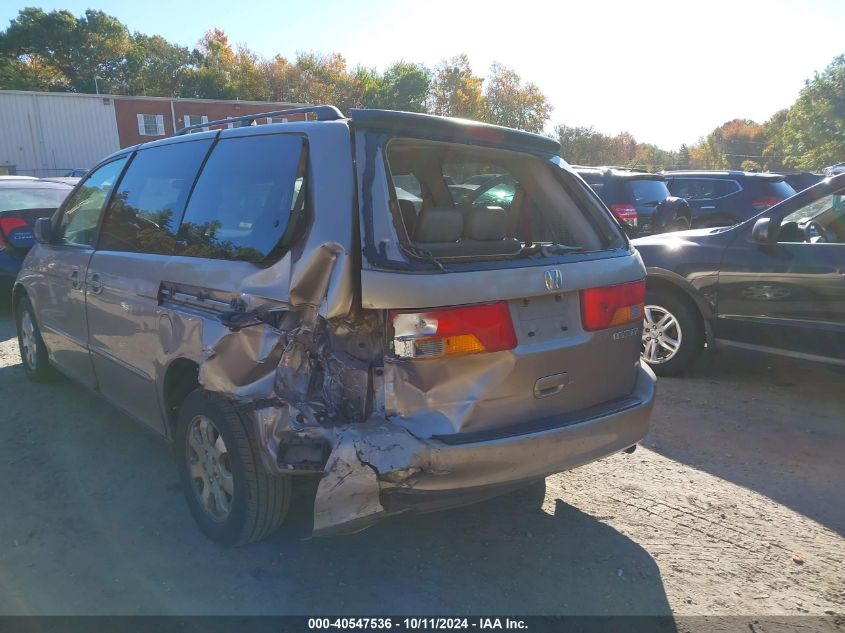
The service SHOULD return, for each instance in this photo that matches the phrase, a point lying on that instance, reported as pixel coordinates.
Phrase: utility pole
(96, 85)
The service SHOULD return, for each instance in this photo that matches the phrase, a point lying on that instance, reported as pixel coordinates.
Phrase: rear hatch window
(460, 202)
(766, 193)
(647, 192)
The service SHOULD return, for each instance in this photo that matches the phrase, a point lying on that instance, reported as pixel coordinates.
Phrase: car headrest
(486, 224)
(439, 225)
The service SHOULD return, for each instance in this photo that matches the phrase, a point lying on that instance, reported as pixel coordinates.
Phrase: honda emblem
(554, 279)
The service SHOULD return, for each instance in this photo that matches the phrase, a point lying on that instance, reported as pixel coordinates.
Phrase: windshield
(21, 199)
(505, 204)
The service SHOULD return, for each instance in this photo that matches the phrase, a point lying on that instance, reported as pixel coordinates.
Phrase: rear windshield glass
(455, 201)
(20, 199)
(776, 190)
(645, 191)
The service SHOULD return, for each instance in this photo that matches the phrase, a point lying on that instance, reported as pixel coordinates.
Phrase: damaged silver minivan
(415, 312)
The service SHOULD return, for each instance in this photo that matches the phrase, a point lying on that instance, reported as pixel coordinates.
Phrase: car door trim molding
(830, 360)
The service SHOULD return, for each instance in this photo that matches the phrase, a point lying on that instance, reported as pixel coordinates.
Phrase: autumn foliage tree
(59, 51)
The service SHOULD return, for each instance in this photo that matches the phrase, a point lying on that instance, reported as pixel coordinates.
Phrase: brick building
(51, 133)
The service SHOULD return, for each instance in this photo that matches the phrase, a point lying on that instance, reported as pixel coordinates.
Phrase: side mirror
(43, 231)
(763, 231)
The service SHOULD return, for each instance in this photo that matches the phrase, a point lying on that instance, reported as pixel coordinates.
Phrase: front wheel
(230, 496)
(672, 333)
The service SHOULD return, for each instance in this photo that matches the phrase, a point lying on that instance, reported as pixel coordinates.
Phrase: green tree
(211, 74)
(773, 151)
(404, 86)
(153, 66)
(813, 132)
(511, 103)
(455, 90)
(65, 51)
(683, 161)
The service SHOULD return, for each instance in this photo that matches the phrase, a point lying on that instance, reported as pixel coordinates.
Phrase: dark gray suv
(263, 298)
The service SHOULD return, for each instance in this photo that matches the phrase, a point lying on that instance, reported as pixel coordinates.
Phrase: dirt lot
(734, 505)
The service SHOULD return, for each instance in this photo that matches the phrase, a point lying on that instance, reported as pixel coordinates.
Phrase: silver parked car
(262, 298)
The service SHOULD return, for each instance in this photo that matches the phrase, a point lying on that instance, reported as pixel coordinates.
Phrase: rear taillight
(9, 223)
(761, 204)
(612, 305)
(453, 331)
(625, 213)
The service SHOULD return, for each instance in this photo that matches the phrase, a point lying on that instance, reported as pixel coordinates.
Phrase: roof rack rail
(323, 112)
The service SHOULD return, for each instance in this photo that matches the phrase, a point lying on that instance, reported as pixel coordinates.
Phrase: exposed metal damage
(312, 387)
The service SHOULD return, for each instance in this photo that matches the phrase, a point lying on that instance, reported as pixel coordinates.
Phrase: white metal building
(48, 134)
(51, 133)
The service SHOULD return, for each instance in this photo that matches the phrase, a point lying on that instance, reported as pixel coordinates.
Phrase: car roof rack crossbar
(323, 113)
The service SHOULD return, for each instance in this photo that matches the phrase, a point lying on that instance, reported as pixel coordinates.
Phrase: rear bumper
(531, 456)
(378, 469)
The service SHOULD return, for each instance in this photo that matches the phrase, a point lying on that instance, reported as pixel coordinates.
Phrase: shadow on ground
(771, 424)
(95, 522)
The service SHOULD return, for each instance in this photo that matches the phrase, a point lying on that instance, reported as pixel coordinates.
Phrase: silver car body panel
(314, 373)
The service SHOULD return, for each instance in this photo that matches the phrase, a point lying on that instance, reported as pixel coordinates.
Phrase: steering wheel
(815, 230)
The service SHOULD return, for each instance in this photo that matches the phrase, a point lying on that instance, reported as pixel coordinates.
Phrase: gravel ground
(733, 505)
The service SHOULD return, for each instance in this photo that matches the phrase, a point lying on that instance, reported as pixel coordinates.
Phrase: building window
(196, 119)
(151, 124)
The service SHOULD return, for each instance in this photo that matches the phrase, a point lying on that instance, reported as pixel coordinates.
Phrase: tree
(404, 86)
(511, 103)
(211, 76)
(154, 66)
(813, 132)
(683, 157)
(455, 91)
(65, 51)
(773, 151)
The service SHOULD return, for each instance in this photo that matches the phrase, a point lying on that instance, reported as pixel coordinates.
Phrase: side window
(249, 199)
(694, 188)
(81, 212)
(145, 210)
(725, 188)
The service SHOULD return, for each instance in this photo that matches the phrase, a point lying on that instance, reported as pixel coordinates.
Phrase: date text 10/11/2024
(417, 623)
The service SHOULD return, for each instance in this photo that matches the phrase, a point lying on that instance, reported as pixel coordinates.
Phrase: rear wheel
(36, 363)
(230, 496)
(672, 333)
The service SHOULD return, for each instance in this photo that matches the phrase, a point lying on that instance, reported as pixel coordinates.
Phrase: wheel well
(182, 378)
(17, 292)
(657, 283)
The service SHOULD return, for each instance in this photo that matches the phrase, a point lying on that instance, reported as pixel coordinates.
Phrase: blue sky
(667, 72)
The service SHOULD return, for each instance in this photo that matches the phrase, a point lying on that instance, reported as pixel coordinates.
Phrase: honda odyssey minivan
(261, 297)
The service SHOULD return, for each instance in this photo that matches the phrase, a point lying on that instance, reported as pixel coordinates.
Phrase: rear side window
(245, 198)
(776, 191)
(145, 210)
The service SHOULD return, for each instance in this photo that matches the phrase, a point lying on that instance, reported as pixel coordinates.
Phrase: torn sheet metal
(241, 363)
(363, 456)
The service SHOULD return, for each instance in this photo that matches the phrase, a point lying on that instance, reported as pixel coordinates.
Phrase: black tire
(691, 331)
(259, 502)
(36, 361)
(679, 224)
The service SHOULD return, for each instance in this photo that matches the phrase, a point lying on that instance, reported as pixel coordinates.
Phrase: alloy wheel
(28, 340)
(210, 468)
(662, 335)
